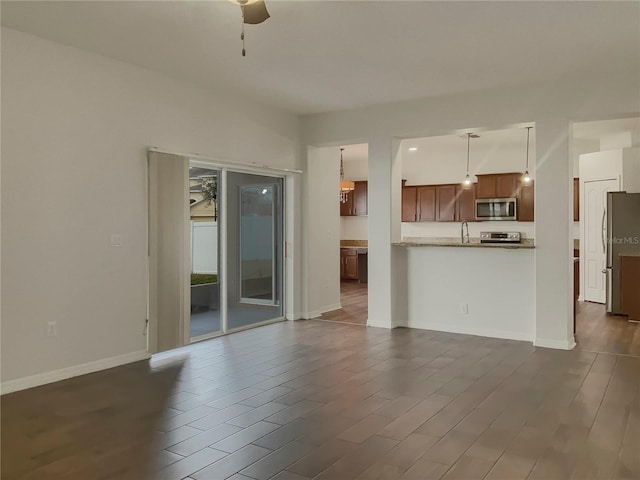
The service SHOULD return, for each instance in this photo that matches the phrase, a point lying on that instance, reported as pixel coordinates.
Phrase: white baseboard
(480, 332)
(320, 311)
(557, 344)
(74, 371)
(379, 324)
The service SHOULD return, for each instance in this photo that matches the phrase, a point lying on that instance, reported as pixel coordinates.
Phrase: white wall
(354, 228)
(442, 159)
(75, 131)
(322, 212)
(497, 286)
(551, 106)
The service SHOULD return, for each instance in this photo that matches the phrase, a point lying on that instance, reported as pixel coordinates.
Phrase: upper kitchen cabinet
(498, 185)
(426, 203)
(507, 185)
(446, 203)
(346, 208)
(525, 203)
(360, 198)
(409, 204)
(466, 203)
(356, 203)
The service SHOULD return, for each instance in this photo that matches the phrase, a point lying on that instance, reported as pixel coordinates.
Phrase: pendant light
(526, 178)
(345, 187)
(467, 179)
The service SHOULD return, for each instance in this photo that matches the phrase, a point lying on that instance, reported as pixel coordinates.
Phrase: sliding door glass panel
(205, 255)
(254, 249)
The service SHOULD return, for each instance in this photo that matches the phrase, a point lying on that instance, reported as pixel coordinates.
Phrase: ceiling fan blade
(254, 13)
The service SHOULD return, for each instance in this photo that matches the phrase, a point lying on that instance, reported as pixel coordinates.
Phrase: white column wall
(554, 235)
(322, 237)
(384, 180)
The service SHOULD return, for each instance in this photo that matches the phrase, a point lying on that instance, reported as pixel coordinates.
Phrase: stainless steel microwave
(496, 209)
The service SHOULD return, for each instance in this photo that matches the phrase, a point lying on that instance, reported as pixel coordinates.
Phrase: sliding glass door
(215, 250)
(254, 211)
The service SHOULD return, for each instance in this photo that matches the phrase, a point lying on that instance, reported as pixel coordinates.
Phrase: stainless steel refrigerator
(622, 236)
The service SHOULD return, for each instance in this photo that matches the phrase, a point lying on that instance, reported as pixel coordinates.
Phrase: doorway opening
(606, 156)
(354, 235)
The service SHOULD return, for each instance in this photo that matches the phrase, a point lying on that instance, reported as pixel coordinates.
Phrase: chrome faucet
(462, 235)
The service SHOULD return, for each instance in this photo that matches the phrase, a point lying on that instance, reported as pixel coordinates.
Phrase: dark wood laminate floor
(354, 300)
(319, 400)
(598, 332)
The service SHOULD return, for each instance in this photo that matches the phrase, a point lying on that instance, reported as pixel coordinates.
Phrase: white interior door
(595, 235)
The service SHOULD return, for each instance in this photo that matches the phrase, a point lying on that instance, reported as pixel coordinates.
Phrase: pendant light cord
(468, 151)
(528, 131)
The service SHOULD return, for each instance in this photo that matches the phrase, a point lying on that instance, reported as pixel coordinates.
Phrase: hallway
(598, 332)
(354, 298)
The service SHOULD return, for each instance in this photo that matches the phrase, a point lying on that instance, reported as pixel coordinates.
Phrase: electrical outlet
(116, 240)
(52, 329)
(464, 308)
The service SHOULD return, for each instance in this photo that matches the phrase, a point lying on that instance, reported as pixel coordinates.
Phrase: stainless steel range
(500, 237)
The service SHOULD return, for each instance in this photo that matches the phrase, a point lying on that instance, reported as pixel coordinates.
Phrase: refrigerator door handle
(604, 245)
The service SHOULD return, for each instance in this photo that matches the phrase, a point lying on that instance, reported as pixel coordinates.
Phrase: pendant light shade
(467, 179)
(526, 178)
(345, 187)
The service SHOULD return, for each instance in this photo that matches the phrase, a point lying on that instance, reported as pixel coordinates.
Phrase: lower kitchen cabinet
(349, 263)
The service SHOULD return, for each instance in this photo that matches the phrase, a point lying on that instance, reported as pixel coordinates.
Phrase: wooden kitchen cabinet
(409, 204)
(498, 185)
(486, 186)
(360, 198)
(576, 199)
(507, 185)
(445, 203)
(525, 203)
(349, 263)
(346, 208)
(466, 203)
(427, 203)
(629, 281)
(357, 201)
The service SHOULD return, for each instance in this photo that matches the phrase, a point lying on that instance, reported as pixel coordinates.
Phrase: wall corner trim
(320, 311)
(38, 379)
(568, 344)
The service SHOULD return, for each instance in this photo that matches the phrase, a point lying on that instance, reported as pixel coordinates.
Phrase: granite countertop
(455, 242)
(354, 243)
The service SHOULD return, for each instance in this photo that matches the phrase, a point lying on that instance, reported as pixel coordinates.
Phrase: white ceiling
(314, 56)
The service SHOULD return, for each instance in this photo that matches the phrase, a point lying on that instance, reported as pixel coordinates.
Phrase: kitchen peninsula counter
(526, 243)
